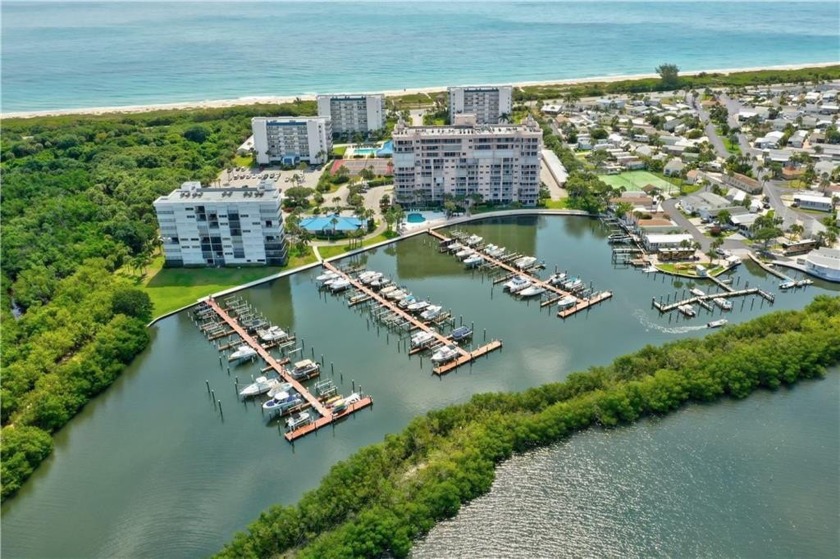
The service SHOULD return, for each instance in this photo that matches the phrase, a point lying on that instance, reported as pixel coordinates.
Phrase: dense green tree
(132, 302)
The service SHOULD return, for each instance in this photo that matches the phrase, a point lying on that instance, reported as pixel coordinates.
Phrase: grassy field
(338, 151)
(636, 180)
(343, 246)
(173, 288)
(732, 147)
(561, 204)
(243, 160)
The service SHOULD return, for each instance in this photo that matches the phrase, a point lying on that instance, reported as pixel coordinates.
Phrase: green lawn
(687, 269)
(338, 151)
(173, 288)
(560, 204)
(343, 246)
(636, 180)
(732, 147)
(243, 160)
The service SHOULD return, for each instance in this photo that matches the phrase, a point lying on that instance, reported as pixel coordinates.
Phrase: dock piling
(207, 382)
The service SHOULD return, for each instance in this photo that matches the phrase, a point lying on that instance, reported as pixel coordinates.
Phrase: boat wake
(649, 325)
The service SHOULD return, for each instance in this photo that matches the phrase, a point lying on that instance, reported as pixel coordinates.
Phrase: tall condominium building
(290, 140)
(222, 226)
(500, 162)
(487, 103)
(353, 113)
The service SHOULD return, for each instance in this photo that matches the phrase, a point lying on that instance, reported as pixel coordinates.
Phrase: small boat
(723, 303)
(566, 302)
(464, 253)
(242, 353)
(455, 247)
(422, 339)
(717, 323)
(525, 262)
(380, 283)
(282, 401)
(787, 284)
(340, 406)
(556, 279)
(407, 300)
(305, 369)
(804, 282)
(473, 261)
(339, 285)
(650, 269)
(446, 353)
(532, 291)
(697, 292)
(388, 289)
(431, 312)
(278, 388)
(298, 420)
(687, 310)
(461, 333)
(517, 284)
(357, 298)
(495, 252)
(273, 334)
(370, 278)
(572, 285)
(261, 385)
(473, 240)
(417, 306)
(327, 276)
(396, 295)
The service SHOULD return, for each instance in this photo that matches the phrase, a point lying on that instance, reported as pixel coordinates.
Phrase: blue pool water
(415, 218)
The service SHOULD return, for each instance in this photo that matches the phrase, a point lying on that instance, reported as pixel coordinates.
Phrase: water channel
(151, 468)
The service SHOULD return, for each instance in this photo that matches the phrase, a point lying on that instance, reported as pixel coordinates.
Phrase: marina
(519, 276)
(403, 319)
(303, 425)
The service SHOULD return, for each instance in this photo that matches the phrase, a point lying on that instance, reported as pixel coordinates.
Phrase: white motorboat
(417, 306)
(379, 283)
(273, 334)
(340, 405)
(326, 276)
(787, 284)
(524, 262)
(396, 294)
(532, 291)
(473, 261)
(431, 312)
(261, 385)
(406, 301)
(370, 278)
(282, 401)
(280, 387)
(687, 310)
(388, 289)
(464, 253)
(455, 247)
(566, 302)
(517, 284)
(495, 252)
(242, 353)
(556, 279)
(473, 240)
(572, 285)
(444, 354)
(723, 303)
(650, 269)
(422, 338)
(717, 323)
(305, 369)
(804, 282)
(697, 292)
(339, 285)
(298, 420)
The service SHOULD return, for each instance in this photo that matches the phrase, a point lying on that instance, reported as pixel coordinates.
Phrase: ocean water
(88, 54)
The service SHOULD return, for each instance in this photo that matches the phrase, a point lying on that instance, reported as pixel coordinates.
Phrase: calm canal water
(151, 469)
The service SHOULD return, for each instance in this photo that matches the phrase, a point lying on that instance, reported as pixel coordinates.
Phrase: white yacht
(517, 284)
(273, 334)
(431, 312)
(723, 303)
(445, 354)
(422, 338)
(261, 385)
(242, 353)
(532, 291)
(524, 262)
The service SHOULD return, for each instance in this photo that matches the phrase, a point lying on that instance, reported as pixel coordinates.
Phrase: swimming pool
(364, 151)
(415, 218)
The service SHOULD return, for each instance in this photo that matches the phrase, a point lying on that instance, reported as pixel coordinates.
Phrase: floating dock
(703, 299)
(415, 323)
(326, 414)
(503, 263)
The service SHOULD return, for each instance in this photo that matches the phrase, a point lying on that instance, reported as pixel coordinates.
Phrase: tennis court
(637, 180)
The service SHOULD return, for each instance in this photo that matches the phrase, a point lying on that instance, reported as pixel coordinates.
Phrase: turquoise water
(415, 218)
(364, 151)
(84, 54)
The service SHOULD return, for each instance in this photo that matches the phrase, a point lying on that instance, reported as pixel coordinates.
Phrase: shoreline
(253, 100)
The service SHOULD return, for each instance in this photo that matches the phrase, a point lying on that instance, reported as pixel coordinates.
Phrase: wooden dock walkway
(699, 299)
(327, 416)
(514, 271)
(769, 269)
(466, 356)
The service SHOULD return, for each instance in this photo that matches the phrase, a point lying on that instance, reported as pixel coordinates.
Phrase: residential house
(797, 140)
(824, 263)
(656, 242)
(810, 202)
(745, 183)
(674, 168)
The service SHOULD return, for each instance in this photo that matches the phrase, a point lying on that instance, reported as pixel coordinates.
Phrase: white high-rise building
(500, 162)
(222, 226)
(487, 103)
(290, 140)
(353, 113)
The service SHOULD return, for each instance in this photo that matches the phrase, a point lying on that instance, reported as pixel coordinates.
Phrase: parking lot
(242, 176)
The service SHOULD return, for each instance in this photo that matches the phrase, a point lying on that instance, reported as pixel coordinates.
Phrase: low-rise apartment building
(350, 114)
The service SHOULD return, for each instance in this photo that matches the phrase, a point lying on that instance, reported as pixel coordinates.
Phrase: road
(709, 127)
(670, 207)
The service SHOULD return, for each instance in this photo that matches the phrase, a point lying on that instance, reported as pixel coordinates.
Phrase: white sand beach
(241, 101)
